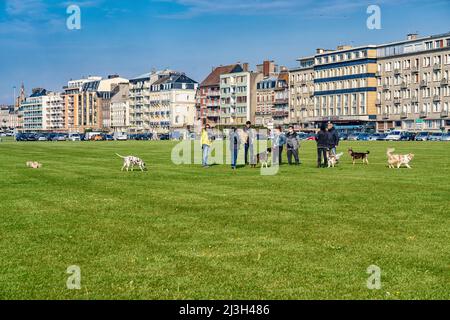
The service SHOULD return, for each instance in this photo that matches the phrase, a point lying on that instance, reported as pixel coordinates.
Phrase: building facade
(413, 84)
(208, 95)
(120, 109)
(43, 111)
(9, 120)
(172, 103)
(238, 97)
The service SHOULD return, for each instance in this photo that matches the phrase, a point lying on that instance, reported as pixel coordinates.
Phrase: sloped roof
(214, 77)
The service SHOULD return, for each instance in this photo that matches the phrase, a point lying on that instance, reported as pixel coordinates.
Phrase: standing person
(279, 140)
(322, 145)
(333, 138)
(235, 144)
(250, 137)
(206, 145)
(292, 146)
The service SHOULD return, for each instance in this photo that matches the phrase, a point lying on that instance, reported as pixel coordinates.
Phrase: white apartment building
(43, 111)
(120, 109)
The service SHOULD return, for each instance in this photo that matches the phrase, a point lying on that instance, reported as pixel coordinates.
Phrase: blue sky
(130, 37)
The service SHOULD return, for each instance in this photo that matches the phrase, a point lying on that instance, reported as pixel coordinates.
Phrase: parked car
(107, 137)
(446, 137)
(20, 137)
(164, 136)
(121, 137)
(407, 136)
(435, 136)
(382, 137)
(376, 137)
(42, 137)
(31, 137)
(394, 136)
(60, 137)
(363, 137)
(74, 137)
(422, 136)
(353, 137)
(97, 137)
(343, 136)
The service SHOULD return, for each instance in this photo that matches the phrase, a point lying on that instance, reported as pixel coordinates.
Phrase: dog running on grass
(263, 158)
(130, 162)
(364, 156)
(397, 160)
(333, 159)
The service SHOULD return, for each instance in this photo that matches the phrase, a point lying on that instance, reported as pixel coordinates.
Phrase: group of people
(327, 141)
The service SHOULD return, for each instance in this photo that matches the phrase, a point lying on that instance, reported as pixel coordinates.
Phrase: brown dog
(364, 156)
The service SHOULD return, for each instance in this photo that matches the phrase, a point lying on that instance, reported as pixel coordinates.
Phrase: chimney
(320, 50)
(245, 67)
(412, 36)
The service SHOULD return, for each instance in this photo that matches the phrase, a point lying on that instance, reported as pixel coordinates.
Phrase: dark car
(382, 137)
(51, 136)
(407, 136)
(343, 136)
(436, 136)
(21, 137)
(422, 136)
(363, 137)
(164, 136)
(107, 137)
(31, 137)
(375, 136)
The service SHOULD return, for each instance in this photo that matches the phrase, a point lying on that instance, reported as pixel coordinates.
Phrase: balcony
(281, 114)
(436, 66)
(403, 115)
(445, 114)
(282, 101)
(423, 83)
(414, 100)
(397, 71)
(377, 75)
(385, 115)
(404, 85)
(444, 82)
(385, 87)
(397, 100)
(414, 69)
(436, 98)
(423, 114)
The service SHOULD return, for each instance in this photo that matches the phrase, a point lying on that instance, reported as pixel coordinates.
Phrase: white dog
(397, 160)
(34, 165)
(130, 161)
(333, 159)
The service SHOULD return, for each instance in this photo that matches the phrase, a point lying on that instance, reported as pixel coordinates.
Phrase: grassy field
(183, 232)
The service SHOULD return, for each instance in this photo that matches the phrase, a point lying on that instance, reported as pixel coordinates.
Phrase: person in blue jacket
(279, 140)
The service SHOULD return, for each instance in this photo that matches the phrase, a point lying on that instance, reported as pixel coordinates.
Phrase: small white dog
(34, 165)
(333, 159)
(130, 162)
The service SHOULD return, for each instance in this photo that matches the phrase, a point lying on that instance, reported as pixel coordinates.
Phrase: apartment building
(8, 118)
(413, 84)
(139, 100)
(238, 97)
(43, 111)
(208, 94)
(120, 109)
(87, 103)
(272, 96)
(301, 94)
(172, 103)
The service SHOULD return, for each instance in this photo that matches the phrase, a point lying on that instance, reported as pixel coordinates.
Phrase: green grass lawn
(183, 232)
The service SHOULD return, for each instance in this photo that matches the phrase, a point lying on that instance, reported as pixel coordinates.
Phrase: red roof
(213, 78)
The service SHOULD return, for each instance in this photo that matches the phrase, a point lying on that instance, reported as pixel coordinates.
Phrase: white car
(122, 137)
(394, 136)
(75, 137)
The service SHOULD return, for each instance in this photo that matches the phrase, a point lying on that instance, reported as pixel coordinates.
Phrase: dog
(397, 160)
(263, 158)
(130, 162)
(333, 159)
(34, 165)
(364, 156)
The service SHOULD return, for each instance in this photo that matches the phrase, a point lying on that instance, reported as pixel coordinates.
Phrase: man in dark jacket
(292, 146)
(333, 137)
(322, 145)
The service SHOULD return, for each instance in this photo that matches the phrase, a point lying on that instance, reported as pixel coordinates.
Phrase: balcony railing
(404, 85)
(414, 69)
(397, 100)
(423, 114)
(445, 114)
(436, 66)
(436, 98)
(385, 87)
(397, 71)
(423, 83)
(403, 114)
(385, 115)
(414, 100)
(444, 82)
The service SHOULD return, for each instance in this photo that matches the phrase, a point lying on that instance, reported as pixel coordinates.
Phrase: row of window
(341, 57)
(414, 108)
